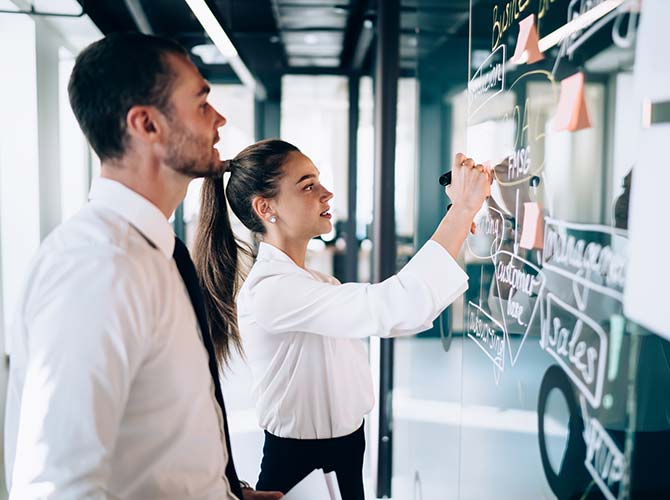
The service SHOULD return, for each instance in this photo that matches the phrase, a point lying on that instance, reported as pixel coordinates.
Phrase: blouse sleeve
(404, 304)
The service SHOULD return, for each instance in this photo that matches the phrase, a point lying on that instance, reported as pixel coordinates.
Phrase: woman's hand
(470, 184)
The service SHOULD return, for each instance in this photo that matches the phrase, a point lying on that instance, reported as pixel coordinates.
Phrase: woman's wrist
(454, 228)
(463, 211)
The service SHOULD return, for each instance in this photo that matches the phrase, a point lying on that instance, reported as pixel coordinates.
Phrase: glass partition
(560, 395)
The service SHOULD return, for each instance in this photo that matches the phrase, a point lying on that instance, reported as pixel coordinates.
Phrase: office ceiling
(277, 37)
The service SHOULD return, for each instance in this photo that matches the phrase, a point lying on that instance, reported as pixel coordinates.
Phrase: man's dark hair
(114, 74)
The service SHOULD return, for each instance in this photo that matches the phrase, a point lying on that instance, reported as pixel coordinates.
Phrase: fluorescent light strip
(223, 43)
(578, 23)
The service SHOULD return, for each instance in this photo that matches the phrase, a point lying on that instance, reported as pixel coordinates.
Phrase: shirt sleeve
(87, 325)
(404, 304)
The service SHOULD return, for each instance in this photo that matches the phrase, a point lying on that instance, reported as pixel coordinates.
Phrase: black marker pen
(445, 180)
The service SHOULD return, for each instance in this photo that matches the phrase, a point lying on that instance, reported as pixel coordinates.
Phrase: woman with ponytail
(302, 330)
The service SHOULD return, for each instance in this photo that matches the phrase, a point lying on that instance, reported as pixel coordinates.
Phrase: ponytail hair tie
(228, 166)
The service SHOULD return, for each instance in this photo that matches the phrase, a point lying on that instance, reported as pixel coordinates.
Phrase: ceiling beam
(138, 15)
(355, 46)
(362, 50)
(109, 17)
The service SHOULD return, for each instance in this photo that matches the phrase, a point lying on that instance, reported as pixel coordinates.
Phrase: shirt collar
(266, 251)
(137, 210)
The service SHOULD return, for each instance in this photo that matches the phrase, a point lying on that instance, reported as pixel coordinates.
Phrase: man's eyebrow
(305, 177)
(204, 90)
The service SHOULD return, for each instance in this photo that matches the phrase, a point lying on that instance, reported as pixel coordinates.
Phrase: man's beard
(190, 155)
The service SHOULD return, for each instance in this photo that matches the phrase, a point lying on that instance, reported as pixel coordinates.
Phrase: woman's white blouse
(303, 331)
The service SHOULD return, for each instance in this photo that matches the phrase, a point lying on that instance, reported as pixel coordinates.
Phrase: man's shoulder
(97, 244)
(99, 252)
(96, 232)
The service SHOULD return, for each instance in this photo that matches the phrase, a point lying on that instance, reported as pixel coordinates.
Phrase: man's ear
(262, 208)
(143, 123)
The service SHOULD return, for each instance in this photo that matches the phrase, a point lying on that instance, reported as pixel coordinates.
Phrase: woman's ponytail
(216, 254)
(255, 171)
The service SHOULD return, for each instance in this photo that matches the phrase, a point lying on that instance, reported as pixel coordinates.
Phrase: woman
(302, 330)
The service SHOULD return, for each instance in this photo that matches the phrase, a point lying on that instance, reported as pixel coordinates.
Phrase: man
(111, 393)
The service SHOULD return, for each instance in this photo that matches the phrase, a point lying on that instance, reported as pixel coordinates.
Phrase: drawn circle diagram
(572, 477)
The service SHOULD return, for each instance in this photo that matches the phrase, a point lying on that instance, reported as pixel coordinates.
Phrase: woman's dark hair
(255, 171)
(114, 74)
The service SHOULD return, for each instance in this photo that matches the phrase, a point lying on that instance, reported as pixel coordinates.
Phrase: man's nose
(220, 120)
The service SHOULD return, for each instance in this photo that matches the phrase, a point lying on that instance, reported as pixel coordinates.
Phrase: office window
(314, 117)
(19, 171)
(19, 189)
(405, 157)
(74, 151)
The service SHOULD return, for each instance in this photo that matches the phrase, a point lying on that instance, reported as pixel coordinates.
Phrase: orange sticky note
(572, 113)
(527, 42)
(532, 235)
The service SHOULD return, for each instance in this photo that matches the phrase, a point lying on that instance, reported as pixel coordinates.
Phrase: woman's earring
(273, 219)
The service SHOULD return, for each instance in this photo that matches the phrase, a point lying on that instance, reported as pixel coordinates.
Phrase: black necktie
(188, 274)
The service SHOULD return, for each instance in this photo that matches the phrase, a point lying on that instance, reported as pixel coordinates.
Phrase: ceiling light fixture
(223, 43)
(209, 53)
(311, 39)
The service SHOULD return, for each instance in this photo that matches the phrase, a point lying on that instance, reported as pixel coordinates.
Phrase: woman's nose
(327, 195)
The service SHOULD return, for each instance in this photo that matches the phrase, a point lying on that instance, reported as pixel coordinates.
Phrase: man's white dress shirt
(303, 331)
(110, 395)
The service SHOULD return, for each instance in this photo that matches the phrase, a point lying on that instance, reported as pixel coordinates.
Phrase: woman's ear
(262, 208)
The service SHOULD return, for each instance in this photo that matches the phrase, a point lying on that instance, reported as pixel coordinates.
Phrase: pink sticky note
(532, 235)
(527, 42)
(572, 113)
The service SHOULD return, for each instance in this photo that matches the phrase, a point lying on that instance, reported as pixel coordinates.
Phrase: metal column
(351, 258)
(383, 230)
(267, 117)
(434, 129)
(433, 141)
